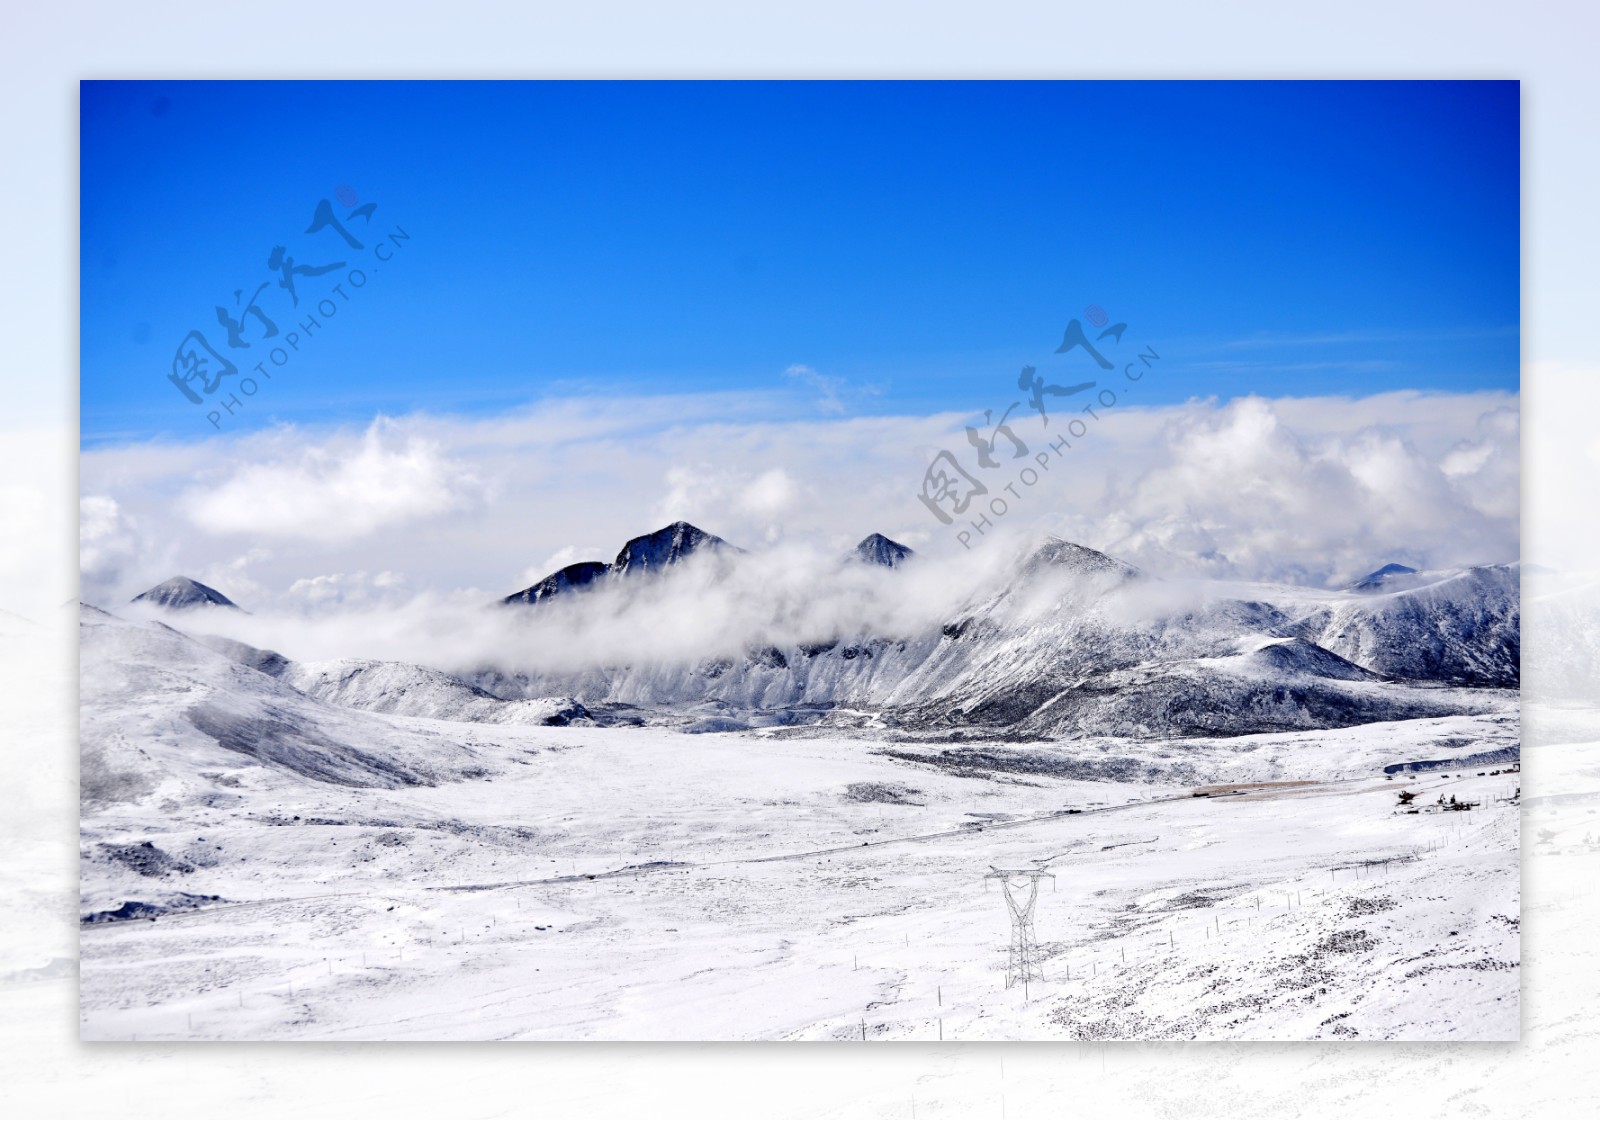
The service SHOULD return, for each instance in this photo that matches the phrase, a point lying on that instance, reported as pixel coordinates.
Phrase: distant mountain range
(648, 555)
(1064, 646)
(1066, 642)
(654, 553)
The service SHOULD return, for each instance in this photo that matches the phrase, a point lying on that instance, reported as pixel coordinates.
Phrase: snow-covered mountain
(665, 547)
(651, 554)
(877, 549)
(1459, 627)
(161, 711)
(567, 579)
(1385, 579)
(181, 593)
(1071, 642)
(1062, 642)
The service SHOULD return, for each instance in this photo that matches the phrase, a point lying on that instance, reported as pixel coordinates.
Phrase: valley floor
(790, 884)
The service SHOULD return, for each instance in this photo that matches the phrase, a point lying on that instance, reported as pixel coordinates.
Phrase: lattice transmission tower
(1023, 963)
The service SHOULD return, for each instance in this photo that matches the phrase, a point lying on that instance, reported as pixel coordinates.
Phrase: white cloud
(109, 544)
(769, 494)
(1310, 490)
(348, 589)
(828, 388)
(337, 490)
(233, 579)
(1238, 490)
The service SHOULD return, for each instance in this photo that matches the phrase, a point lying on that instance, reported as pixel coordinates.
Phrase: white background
(45, 50)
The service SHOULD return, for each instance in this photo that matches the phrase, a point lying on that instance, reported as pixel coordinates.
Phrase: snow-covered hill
(1461, 628)
(411, 690)
(163, 715)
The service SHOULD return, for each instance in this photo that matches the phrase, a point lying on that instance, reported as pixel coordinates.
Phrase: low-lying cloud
(711, 606)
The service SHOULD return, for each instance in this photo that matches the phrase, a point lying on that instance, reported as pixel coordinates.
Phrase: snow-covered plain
(607, 883)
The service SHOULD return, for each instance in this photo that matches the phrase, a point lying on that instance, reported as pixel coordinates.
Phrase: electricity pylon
(1022, 964)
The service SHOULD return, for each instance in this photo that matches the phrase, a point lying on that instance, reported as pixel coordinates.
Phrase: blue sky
(917, 241)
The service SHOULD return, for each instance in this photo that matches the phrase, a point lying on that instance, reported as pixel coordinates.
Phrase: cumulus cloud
(233, 577)
(1240, 490)
(109, 542)
(726, 495)
(769, 494)
(334, 491)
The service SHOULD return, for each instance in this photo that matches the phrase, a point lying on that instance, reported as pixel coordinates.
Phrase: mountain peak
(878, 549)
(1058, 554)
(652, 552)
(666, 546)
(181, 593)
(1377, 581)
(567, 579)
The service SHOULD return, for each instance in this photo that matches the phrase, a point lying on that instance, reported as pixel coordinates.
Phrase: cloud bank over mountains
(1315, 491)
